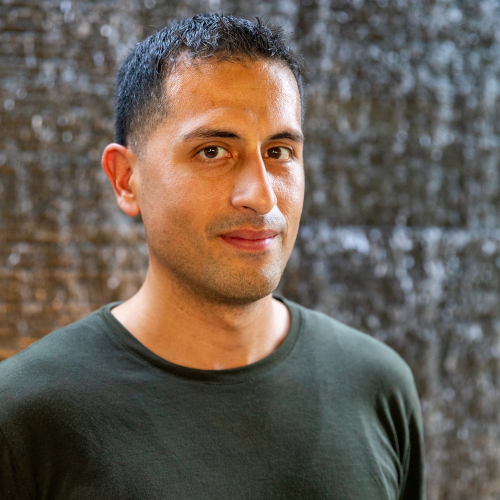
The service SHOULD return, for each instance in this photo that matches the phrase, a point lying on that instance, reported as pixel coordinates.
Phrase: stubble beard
(210, 270)
(215, 280)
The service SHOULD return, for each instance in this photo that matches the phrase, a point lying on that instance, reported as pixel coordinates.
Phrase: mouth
(250, 240)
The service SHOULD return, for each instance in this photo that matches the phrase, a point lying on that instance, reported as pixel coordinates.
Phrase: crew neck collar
(226, 376)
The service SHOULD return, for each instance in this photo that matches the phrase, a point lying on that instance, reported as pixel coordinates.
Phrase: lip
(249, 234)
(246, 239)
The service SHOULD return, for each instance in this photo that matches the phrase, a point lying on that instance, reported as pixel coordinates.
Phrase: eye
(278, 153)
(213, 153)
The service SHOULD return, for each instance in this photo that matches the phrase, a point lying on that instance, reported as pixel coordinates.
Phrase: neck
(184, 328)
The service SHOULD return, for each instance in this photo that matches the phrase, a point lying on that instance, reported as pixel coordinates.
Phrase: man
(203, 385)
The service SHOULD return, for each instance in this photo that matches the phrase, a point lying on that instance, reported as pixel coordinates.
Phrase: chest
(265, 444)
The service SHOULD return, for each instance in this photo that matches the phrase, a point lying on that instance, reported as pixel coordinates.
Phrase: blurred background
(400, 234)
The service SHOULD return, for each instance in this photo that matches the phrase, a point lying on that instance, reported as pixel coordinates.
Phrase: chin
(238, 293)
(243, 297)
(236, 288)
(224, 283)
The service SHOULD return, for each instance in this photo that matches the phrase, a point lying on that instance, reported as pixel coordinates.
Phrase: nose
(253, 188)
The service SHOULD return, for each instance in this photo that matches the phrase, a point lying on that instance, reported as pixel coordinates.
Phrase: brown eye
(278, 153)
(213, 152)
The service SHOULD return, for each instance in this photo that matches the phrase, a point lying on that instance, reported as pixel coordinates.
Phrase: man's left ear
(118, 162)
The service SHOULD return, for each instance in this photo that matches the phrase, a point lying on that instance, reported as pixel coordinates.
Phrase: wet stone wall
(401, 227)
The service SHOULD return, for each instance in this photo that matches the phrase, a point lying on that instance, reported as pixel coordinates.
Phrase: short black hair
(140, 79)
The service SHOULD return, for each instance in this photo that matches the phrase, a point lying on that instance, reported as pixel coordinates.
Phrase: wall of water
(400, 234)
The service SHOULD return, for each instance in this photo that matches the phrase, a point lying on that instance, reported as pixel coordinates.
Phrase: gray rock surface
(400, 233)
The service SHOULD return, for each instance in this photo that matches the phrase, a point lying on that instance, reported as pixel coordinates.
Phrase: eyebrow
(293, 135)
(210, 133)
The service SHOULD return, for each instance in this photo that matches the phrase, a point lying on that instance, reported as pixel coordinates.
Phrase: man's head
(140, 87)
(218, 177)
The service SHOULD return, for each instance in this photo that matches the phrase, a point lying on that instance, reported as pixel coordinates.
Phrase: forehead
(259, 89)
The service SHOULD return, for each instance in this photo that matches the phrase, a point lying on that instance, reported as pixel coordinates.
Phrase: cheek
(162, 196)
(290, 193)
(179, 200)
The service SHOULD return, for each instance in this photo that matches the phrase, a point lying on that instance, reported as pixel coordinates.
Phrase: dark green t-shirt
(88, 412)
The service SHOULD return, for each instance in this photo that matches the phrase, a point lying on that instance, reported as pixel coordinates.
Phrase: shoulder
(58, 359)
(371, 383)
(354, 355)
(59, 344)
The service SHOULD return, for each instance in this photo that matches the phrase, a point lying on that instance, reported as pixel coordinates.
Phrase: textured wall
(399, 234)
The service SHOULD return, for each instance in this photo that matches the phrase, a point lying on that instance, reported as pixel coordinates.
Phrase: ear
(119, 163)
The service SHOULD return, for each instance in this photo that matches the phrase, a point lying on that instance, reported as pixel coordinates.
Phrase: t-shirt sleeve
(12, 482)
(414, 484)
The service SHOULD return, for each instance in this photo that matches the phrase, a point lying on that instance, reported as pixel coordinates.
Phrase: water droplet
(36, 121)
(13, 259)
(402, 136)
(99, 58)
(9, 104)
(425, 140)
(448, 394)
(489, 247)
(106, 30)
(113, 283)
(67, 136)
(473, 39)
(65, 6)
(436, 154)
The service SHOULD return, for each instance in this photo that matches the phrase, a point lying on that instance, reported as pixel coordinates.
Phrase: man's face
(220, 181)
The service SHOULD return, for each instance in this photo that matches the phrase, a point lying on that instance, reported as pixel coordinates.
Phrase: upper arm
(13, 482)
